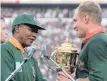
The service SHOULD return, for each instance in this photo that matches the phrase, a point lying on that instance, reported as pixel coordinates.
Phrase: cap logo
(34, 18)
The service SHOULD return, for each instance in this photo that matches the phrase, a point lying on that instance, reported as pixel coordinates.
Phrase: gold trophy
(65, 57)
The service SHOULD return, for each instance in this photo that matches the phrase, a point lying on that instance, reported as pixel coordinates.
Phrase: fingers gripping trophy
(64, 57)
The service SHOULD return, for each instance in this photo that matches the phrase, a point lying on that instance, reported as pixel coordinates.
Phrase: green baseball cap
(27, 19)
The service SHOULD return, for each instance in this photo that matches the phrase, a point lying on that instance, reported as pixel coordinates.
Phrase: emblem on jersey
(80, 65)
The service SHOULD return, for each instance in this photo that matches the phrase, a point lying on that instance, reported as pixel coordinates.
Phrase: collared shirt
(92, 60)
(88, 36)
(17, 44)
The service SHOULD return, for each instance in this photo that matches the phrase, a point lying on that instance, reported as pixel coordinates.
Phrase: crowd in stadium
(41, 13)
(57, 21)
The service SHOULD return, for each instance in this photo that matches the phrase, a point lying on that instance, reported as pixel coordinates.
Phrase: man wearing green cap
(24, 29)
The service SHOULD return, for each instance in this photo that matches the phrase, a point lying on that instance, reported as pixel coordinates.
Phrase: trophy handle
(61, 69)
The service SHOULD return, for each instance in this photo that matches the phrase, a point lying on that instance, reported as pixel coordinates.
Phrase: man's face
(26, 34)
(79, 25)
(3, 32)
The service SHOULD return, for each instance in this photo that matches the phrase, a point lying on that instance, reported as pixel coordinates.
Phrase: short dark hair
(13, 30)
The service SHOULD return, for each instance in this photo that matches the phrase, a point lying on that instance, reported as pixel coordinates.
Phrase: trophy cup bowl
(65, 56)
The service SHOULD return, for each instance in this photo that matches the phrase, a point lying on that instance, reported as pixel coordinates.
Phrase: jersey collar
(17, 44)
(89, 35)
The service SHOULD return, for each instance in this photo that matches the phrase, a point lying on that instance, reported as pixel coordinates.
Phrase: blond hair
(92, 9)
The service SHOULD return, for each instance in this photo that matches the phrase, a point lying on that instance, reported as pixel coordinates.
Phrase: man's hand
(62, 77)
(82, 79)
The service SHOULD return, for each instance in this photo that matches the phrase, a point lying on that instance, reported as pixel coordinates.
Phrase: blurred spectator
(3, 31)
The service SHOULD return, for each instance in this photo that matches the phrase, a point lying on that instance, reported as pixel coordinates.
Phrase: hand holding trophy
(65, 59)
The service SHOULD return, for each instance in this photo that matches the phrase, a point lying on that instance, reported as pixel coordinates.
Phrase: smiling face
(87, 18)
(26, 34)
(79, 25)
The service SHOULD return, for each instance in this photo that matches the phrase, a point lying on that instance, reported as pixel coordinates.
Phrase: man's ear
(86, 19)
(17, 29)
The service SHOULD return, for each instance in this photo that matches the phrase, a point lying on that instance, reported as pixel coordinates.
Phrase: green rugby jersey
(92, 60)
(11, 58)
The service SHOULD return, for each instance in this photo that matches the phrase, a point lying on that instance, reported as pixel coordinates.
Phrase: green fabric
(11, 57)
(26, 19)
(92, 60)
